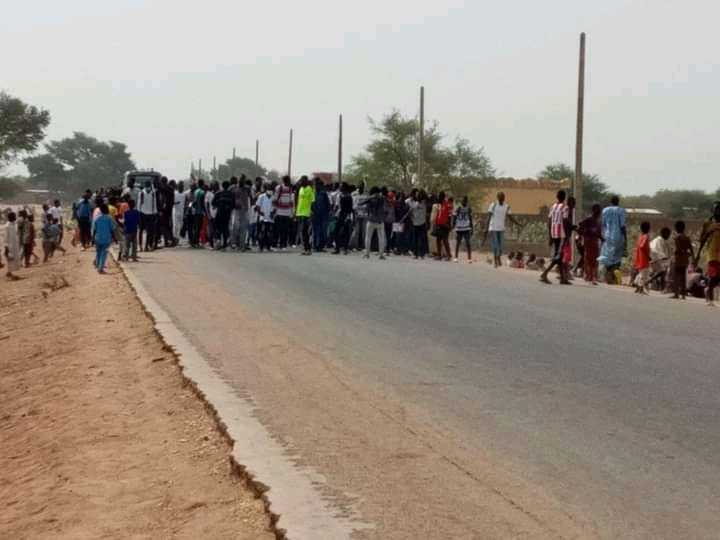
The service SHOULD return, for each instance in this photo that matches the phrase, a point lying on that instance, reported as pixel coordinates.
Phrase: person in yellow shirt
(303, 212)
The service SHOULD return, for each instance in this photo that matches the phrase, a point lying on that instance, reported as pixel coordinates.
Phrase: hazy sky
(179, 81)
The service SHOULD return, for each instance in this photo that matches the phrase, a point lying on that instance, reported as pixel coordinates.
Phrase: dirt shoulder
(99, 438)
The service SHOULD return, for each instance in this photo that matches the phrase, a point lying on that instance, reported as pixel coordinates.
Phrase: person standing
(614, 235)
(683, 253)
(375, 211)
(12, 247)
(343, 223)
(660, 256)
(103, 229)
(223, 204)
(357, 241)
(241, 221)
(498, 214)
(441, 225)
(148, 207)
(463, 220)
(417, 204)
(197, 212)
(178, 212)
(389, 220)
(56, 211)
(131, 221)
(305, 200)
(710, 238)
(83, 215)
(642, 259)
(284, 202)
(320, 216)
(590, 232)
(266, 212)
(166, 205)
(559, 226)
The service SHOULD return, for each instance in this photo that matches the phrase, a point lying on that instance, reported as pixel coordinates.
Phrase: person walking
(103, 229)
(148, 207)
(343, 221)
(559, 228)
(590, 232)
(265, 210)
(320, 216)
(441, 226)
(357, 241)
(83, 215)
(13, 253)
(614, 234)
(417, 204)
(683, 254)
(223, 204)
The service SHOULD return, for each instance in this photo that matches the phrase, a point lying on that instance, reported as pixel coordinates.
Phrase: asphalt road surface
(442, 400)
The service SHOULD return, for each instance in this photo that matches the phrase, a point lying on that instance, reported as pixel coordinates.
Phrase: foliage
(594, 190)
(9, 187)
(681, 203)
(22, 127)
(79, 162)
(391, 158)
(237, 166)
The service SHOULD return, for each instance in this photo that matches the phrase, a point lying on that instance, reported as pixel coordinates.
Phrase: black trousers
(222, 229)
(282, 228)
(304, 224)
(148, 223)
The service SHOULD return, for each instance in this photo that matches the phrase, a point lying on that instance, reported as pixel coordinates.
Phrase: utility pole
(421, 136)
(290, 155)
(200, 168)
(215, 171)
(340, 149)
(257, 153)
(579, 131)
(234, 153)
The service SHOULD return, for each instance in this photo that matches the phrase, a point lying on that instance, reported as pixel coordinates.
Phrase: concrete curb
(295, 505)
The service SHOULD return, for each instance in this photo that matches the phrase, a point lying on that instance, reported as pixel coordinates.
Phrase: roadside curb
(296, 508)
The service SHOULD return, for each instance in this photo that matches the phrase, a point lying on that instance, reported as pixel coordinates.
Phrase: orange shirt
(642, 252)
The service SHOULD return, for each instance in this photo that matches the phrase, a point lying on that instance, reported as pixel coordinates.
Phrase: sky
(179, 81)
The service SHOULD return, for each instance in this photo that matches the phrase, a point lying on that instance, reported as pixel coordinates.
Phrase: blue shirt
(132, 219)
(103, 229)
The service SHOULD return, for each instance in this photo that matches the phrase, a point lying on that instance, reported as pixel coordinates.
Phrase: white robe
(178, 213)
(13, 246)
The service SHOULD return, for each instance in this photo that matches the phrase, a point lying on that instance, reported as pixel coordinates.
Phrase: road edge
(292, 516)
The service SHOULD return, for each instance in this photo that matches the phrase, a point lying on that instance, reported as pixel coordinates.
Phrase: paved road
(455, 401)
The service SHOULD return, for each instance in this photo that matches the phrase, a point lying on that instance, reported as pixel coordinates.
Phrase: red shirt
(642, 252)
(443, 215)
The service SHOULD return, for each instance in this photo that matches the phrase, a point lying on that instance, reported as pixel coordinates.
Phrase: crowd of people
(602, 243)
(243, 214)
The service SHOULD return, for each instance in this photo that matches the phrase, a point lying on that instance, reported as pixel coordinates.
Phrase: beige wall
(524, 196)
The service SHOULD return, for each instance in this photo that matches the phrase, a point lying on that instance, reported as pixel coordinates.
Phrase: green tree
(683, 203)
(79, 162)
(391, 158)
(594, 190)
(9, 187)
(237, 166)
(22, 127)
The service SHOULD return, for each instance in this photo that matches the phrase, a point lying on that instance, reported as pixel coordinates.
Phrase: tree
(391, 158)
(237, 166)
(79, 162)
(683, 203)
(594, 190)
(22, 127)
(9, 187)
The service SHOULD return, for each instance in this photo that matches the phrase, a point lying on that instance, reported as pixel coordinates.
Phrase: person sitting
(511, 258)
(518, 261)
(532, 262)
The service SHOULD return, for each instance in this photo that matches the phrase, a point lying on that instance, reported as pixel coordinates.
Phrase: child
(56, 230)
(463, 220)
(48, 238)
(518, 262)
(683, 254)
(642, 259)
(532, 262)
(12, 247)
(102, 228)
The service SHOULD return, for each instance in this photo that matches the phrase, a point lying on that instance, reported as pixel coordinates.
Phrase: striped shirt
(559, 212)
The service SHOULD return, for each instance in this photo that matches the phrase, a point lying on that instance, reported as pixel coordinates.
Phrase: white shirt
(498, 212)
(209, 196)
(147, 203)
(265, 205)
(57, 213)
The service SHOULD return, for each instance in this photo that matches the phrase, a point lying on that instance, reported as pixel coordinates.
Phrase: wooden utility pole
(234, 153)
(257, 153)
(215, 171)
(579, 132)
(421, 136)
(340, 149)
(290, 154)
(200, 168)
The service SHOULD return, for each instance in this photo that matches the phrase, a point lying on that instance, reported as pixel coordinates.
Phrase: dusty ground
(98, 436)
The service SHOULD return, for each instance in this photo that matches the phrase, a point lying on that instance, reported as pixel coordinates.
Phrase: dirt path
(98, 436)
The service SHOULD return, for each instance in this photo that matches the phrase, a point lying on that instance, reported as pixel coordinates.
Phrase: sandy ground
(99, 438)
